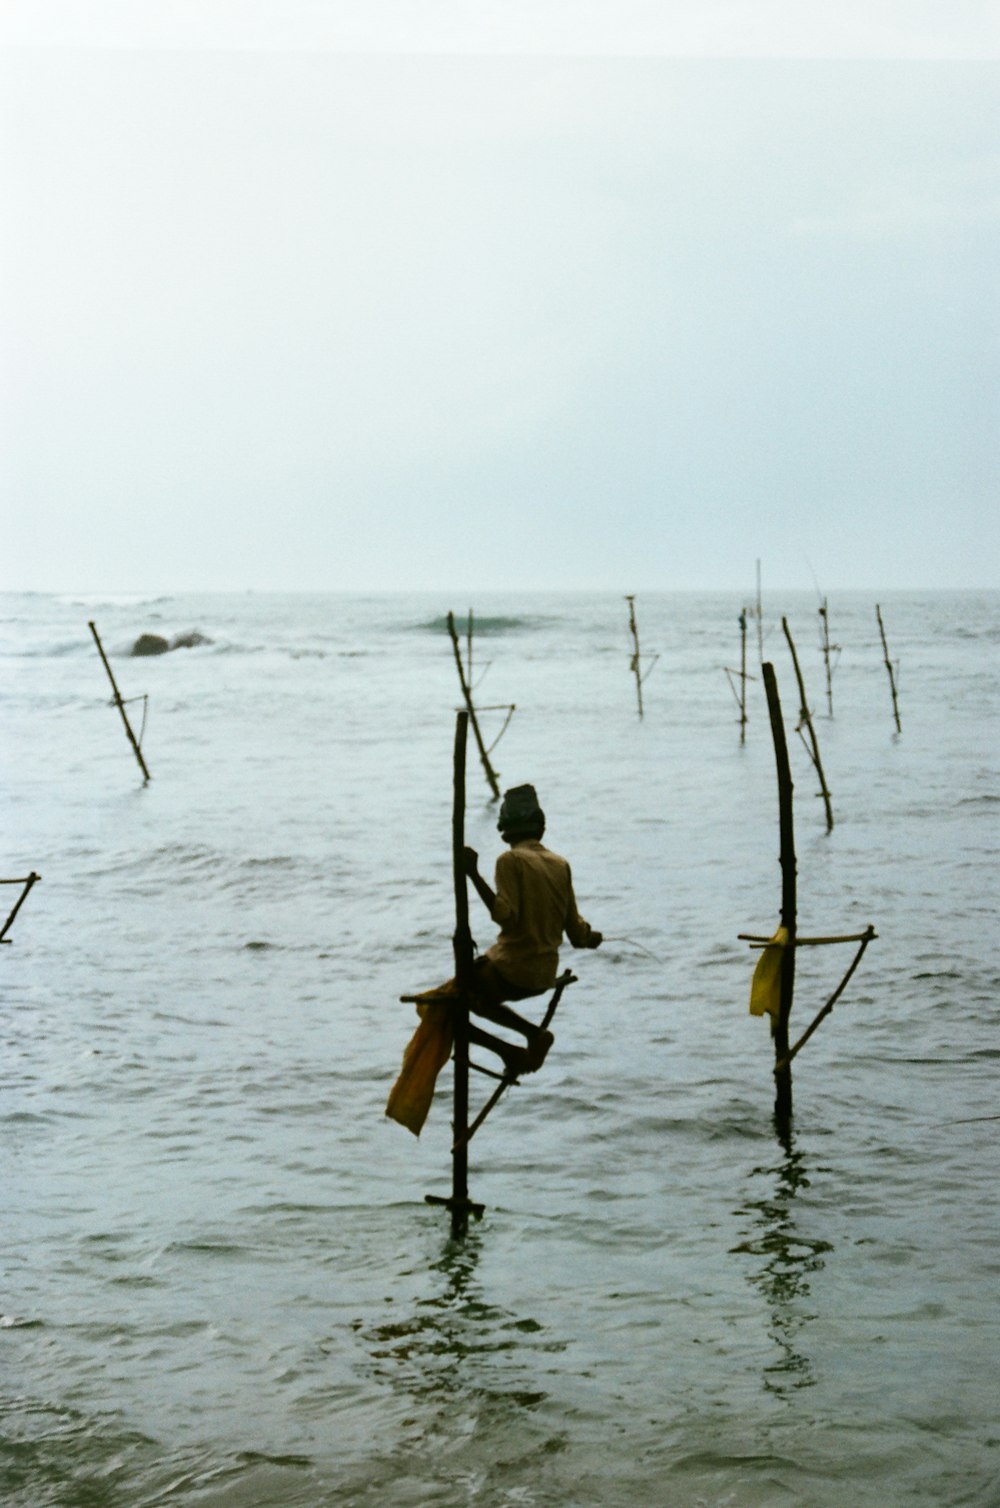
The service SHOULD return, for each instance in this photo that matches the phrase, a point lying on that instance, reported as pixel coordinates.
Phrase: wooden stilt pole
(27, 882)
(467, 696)
(888, 666)
(463, 973)
(460, 1204)
(783, 1070)
(120, 705)
(805, 721)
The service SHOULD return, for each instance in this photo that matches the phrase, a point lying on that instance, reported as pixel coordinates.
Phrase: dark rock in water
(155, 644)
(150, 644)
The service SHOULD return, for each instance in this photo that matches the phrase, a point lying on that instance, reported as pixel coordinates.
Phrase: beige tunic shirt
(534, 906)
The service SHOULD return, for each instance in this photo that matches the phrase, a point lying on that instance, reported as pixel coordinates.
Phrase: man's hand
(471, 860)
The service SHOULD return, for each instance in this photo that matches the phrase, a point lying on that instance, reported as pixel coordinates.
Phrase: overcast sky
(450, 295)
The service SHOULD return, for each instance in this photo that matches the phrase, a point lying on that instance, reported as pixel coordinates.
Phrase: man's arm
(580, 933)
(486, 895)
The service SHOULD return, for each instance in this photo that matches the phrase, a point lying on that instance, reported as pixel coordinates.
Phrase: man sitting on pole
(534, 905)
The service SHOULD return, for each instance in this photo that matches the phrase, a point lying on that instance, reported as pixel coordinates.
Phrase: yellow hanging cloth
(765, 987)
(427, 1051)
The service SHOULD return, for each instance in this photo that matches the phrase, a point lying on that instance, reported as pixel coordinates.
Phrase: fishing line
(633, 944)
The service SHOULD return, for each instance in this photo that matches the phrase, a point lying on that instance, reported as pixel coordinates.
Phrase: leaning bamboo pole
(117, 699)
(484, 757)
(805, 721)
(888, 666)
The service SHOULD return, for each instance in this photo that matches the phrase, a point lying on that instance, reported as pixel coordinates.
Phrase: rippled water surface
(221, 1284)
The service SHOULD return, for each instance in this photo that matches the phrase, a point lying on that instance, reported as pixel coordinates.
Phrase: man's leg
(491, 989)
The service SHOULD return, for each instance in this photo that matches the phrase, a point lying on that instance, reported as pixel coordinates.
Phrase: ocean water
(221, 1284)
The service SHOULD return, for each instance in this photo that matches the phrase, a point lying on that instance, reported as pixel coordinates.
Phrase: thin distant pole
(760, 619)
(635, 664)
(743, 676)
(468, 645)
(824, 615)
(467, 695)
(888, 666)
(789, 903)
(633, 629)
(120, 704)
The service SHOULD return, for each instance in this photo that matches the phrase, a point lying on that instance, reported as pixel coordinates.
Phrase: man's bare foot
(536, 1051)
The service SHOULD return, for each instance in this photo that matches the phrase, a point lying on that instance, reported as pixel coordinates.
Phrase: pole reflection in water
(788, 1259)
(455, 1345)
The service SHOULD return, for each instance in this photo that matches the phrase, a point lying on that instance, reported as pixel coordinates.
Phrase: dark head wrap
(520, 814)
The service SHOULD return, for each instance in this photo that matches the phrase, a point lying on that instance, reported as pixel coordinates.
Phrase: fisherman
(534, 905)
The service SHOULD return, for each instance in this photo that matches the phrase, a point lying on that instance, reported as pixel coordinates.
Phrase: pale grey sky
(485, 296)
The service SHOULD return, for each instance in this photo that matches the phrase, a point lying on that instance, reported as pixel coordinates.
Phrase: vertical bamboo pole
(743, 676)
(805, 721)
(635, 657)
(467, 695)
(888, 666)
(463, 974)
(468, 649)
(120, 704)
(783, 1069)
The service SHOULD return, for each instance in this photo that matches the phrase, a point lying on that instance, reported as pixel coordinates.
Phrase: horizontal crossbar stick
(809, 942)
(26, 883)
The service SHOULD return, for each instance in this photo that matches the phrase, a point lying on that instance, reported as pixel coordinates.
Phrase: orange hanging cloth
(427, 1051)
